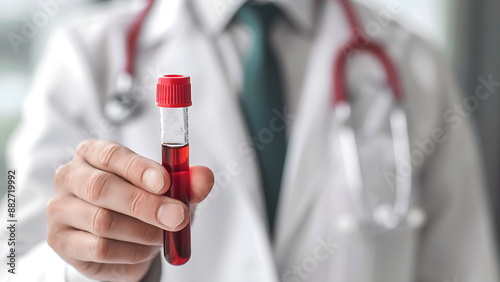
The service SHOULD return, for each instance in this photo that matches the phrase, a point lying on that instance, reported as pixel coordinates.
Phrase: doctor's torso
(230, 236)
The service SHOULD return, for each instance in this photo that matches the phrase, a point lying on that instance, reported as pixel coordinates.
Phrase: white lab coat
(316, 237)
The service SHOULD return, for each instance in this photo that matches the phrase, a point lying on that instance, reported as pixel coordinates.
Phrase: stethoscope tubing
(386, 218)
(133, 36)
(360, 42)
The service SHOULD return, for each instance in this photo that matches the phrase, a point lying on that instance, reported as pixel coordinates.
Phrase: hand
(108, 212)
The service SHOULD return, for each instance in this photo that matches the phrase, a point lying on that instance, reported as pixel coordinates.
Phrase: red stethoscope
(369, 217)
(122, 106)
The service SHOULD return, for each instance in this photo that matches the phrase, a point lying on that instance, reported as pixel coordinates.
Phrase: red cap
(173, 91)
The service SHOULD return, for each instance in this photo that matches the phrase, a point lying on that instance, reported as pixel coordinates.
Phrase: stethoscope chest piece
(384, 220)
(122, 106)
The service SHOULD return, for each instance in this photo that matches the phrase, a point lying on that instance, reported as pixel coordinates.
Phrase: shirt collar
(215, 15)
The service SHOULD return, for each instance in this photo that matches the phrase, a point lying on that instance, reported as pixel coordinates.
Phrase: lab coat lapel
(223, 131)
(307, 152)
(219, 125)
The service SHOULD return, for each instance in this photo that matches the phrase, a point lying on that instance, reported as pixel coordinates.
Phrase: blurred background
(467, 31)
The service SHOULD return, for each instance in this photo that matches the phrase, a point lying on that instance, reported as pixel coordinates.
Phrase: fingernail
(152, 178)
(171, 214)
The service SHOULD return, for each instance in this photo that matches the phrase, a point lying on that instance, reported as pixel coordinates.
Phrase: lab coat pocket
(374, 243)
(368, 252)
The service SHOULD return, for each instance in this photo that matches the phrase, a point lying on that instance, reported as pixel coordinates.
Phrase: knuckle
(91, 269)
(150, 234)
(131, 166)
(83, 147)
(125, 274)
(140, 254)
(103, 222)
(130, 273)
(61, 175)
(137, 203)
(97, 183)
(55, 239)
(109, 153)
(53, 208)
(52, 238)
(100, 249)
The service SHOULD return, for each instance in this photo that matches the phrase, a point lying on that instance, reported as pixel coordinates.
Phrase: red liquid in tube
(177, 245)
(173, 97)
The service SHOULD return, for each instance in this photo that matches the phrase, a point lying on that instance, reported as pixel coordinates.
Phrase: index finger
(119, 160)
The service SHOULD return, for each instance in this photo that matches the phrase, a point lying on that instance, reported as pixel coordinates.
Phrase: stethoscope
(383, 217)
(122, 106)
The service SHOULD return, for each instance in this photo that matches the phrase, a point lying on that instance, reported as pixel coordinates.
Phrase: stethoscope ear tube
(339, 69)
(133, 35)
(384, 216)
(360, 42)
(401, 146)
(350, 157)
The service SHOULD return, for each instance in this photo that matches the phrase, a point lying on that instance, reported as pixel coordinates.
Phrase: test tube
(173, 96)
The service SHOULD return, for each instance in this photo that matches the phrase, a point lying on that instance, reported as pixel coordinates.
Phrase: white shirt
(291, 39)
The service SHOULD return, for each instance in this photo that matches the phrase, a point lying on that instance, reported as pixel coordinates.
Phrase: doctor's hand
(108, 212)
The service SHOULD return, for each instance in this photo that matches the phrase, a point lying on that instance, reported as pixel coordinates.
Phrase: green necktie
(262, 97)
